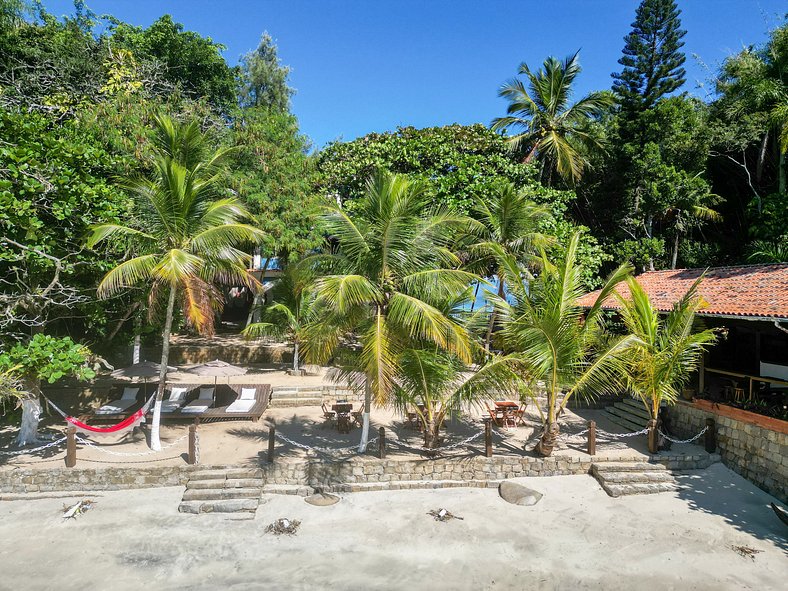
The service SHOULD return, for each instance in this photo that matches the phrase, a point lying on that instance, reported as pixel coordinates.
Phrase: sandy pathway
(576, 537)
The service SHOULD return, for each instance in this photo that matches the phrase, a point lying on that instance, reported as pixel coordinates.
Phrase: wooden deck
(226, 394)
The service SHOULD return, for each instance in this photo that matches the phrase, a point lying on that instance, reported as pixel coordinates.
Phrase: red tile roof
(744, 291)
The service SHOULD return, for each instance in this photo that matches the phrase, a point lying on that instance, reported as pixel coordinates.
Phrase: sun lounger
(126, 401)
(245, 401)
(203, 402)
(176, 399)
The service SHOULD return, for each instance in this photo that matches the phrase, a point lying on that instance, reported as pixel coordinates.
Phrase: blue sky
(372, 65)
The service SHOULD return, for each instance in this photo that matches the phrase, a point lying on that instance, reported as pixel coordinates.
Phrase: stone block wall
(758, 453)
(349, 474)
(29, 480)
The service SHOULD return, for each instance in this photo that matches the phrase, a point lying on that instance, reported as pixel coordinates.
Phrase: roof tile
(745, 290)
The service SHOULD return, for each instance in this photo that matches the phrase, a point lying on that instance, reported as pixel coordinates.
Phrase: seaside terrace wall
(351, 474)
(753, 445)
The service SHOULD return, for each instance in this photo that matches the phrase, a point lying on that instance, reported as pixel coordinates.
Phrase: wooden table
(507, 407)
(344, 418)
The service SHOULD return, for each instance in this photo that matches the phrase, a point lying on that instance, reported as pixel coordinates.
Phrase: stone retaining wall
(325, 473)
(758, 453)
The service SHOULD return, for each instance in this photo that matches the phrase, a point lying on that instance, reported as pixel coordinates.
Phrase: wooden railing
(749, 378)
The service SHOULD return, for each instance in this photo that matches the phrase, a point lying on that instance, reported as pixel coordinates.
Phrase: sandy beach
(576, 537)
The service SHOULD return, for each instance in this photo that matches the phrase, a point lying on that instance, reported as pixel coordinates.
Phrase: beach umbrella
(146, 369)
(217, 369)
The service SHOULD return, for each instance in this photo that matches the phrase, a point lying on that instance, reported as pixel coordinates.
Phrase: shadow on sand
(720, 491)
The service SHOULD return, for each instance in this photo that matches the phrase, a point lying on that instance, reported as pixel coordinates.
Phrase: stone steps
(234, 490)
(633, 478)
(629, 414)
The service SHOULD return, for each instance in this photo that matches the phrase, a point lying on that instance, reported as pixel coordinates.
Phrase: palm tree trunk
(550, 432)
(155, 443)
(31, 413)
(675, 256)
(362, 446)
(135, 356)
(491, 325)
(257, 301)
(295, 356)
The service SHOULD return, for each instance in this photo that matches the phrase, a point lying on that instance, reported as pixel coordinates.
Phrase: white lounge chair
(126, 401)
(176, 398)
(203, 402)
(245, 401)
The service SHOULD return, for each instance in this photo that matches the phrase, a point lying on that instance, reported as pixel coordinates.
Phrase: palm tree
(665, 351)
(292, 311)
(560, 343)
(184, 231)
(551, 128)
(506, 237)
(436, 383)
(385, 279)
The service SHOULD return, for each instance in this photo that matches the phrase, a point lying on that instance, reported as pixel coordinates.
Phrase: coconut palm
(185, 232)
(550, 128)
(292, 311)
(506, 237)
(666, 350)
(435, 383)
(560, 343)
(386, 276)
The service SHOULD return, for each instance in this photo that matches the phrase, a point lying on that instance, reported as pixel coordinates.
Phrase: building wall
(759, 452)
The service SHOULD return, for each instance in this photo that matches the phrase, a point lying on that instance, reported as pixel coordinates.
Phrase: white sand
(575, 538)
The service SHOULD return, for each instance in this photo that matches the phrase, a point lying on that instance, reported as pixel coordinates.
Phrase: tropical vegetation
(186, 237)
(178, 167)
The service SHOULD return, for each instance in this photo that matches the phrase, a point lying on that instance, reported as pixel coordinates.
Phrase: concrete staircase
(629, 414)
(235, 490)
(633, 478)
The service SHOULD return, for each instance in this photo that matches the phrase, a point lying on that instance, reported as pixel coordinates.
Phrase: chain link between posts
(327, 450)
(131, 454)
(28, 451)
(690, 440)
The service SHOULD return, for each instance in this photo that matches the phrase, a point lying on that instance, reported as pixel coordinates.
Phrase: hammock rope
(126, 424)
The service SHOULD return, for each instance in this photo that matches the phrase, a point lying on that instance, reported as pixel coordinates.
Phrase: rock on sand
(517, 494)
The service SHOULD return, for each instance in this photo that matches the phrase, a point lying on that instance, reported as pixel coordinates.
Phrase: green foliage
(456, 163)
(387, 280)
(557, 341)
(553, 130)
(458, 166)
(433, 384)
(652, 58)
(263, 79)
(45, 357)
(188, 59)
(272, 173)
(184, 231)
(665, 351)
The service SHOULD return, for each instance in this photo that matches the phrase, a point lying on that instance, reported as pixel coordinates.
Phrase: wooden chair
(328, 414)
(495, 414)
(358, 415)
(519, 414)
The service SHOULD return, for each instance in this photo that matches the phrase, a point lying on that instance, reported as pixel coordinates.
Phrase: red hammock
(127, 423)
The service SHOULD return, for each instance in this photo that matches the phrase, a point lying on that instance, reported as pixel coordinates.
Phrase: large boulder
(517, 494)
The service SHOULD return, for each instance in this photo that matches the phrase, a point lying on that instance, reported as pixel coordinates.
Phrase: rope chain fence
(131, 454)
(327, 450)
(690, 440)
(28, 451)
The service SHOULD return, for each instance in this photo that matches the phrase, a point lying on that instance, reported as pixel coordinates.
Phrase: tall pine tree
(652, 61)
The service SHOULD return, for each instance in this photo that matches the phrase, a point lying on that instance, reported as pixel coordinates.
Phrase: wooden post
(653, 438)
(192, 459)
(382, 443)
(71, 447)
(591, 438)
(271, 441)
(710, 437)
(488, 438)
